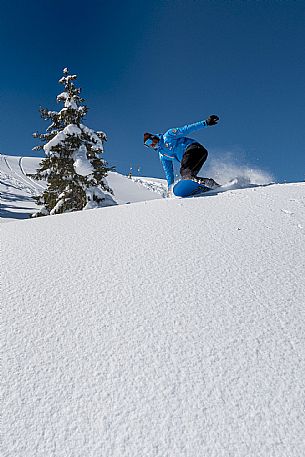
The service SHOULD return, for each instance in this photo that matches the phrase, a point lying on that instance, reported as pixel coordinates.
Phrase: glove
(212, 120)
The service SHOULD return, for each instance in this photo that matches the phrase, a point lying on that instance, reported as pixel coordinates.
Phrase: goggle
(149, 143)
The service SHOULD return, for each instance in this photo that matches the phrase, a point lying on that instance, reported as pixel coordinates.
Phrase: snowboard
(188, 188)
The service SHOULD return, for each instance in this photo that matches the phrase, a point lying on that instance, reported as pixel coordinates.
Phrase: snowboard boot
(208, 182)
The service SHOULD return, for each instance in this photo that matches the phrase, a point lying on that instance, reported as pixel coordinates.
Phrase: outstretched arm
(189, 128)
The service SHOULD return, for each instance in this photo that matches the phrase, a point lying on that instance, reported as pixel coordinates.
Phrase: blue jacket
(173, 144)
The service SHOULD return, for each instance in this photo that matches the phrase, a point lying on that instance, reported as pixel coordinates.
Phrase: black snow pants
(194, 157)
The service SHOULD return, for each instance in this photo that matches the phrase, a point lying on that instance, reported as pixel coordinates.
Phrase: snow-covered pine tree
(73, 168)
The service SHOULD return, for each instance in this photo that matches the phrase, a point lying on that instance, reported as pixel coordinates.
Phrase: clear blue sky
(151, 65)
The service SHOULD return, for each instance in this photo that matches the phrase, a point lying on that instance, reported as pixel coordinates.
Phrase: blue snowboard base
(188, 187)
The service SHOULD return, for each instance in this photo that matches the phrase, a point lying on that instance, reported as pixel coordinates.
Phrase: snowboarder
(175, 146)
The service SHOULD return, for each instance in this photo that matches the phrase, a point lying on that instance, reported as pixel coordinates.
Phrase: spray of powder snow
(224, 167)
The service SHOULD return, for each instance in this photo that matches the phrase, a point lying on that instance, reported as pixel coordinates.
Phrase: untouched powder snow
(162, 328)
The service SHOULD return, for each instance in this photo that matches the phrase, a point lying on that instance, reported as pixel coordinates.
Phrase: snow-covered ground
(17, 189)
(166, 327)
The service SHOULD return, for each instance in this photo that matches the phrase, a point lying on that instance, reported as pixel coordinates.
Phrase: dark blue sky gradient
(152, 65)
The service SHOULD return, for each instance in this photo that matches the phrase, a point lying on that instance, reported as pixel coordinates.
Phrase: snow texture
(62, 97)
(93, 136)
(163, 328)
(71, 103)
(60, 137)
(73, 130)
(82, 165)
(105, 198)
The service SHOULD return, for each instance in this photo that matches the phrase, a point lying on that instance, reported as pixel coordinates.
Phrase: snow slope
(164, 328)
(17, 189)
